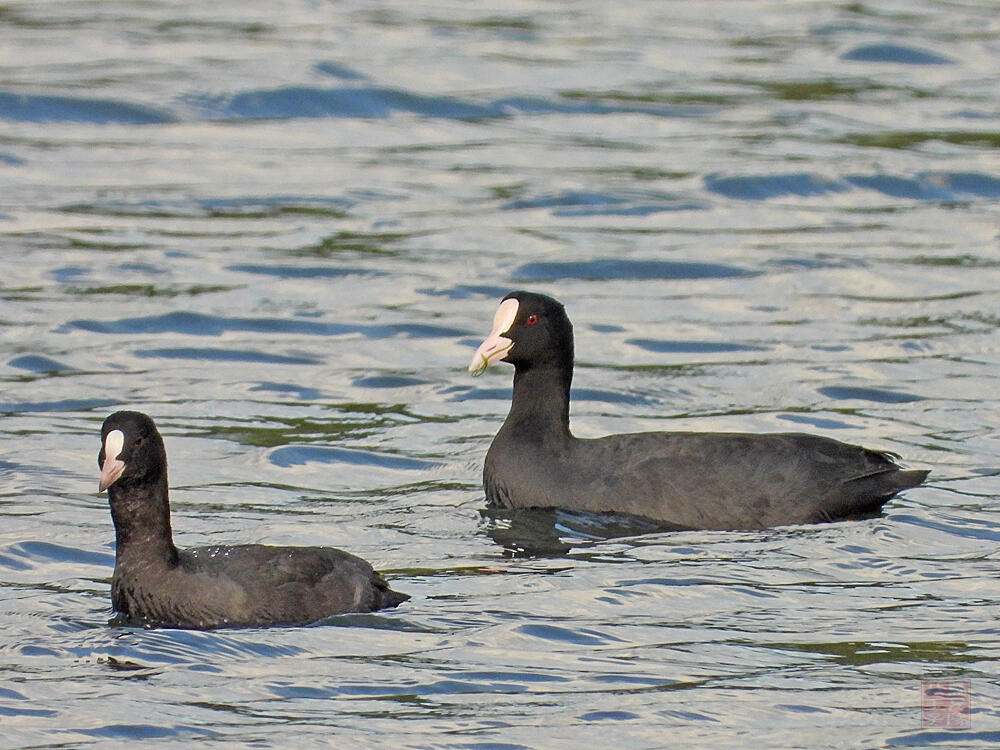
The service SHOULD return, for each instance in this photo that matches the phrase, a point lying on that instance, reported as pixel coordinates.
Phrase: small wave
(606, 328)
(610, 268)
(878, 395)
(926, 186)
(413, 330)
(199, 324)
(611, 397)
(354, 101)
(948, 738)
(252, 206)
(388, 381)
(894, 53)
(587, 203)
(297, 455)
(693, 347)
(69, 274)
(140, 648)
(463, 393)
(584, 103)
(465, 291)
(900, 187)
(340, 71)
(762, 187)
(147, 732)
(38, 363)
(41, 108)
(212, 354)
(303, 393)
(965, 528)
(302, 272)
(609, 716)
(932, 186)
(13, 563)
(581, 637)
(965, 183)
(63, 405)
(35, 551)
(18, 711)
(382, 102)
(817, 422)
(813, 264)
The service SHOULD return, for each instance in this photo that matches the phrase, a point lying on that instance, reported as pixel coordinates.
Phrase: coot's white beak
(112, 467)
(496, 346)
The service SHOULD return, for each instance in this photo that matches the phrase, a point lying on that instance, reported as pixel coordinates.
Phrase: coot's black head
(131, 450)
(528, 329)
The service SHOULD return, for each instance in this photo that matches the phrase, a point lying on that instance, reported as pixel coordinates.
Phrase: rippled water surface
(281, 229)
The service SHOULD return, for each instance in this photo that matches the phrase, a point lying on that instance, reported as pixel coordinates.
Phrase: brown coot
(158, 585)
(693, 480)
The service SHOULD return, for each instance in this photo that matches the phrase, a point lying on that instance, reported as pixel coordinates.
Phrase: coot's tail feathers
(885, 484)
(385, 597)
(394, 598)
(910, 478)
(865, 496)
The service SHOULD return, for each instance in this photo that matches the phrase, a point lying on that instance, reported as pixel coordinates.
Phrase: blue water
(281, 230)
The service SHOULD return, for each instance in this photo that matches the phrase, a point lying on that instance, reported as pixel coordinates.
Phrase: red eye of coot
(532, 319)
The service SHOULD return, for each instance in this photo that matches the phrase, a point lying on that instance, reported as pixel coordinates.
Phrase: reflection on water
(282, 243)
(547, 532)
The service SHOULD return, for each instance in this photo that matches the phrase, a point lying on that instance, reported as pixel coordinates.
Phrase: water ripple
(762, 187)
(297, 455)
(820, 423)
(611, 268)
(588, 203)
(886, 52)
(38, 552)
(244, 207)
(215, 354)
(367, 102)
(199, 324)
(38, 363)
(878, 395)
(287, 102)
(926, 186)
(388, 381)
(303, 272)
(466, 291)
(45, 108)
(126, 732)
(693, 347)
(381, 102)
(303, 393)
(59, 405)
(947, 738)
(577, 637)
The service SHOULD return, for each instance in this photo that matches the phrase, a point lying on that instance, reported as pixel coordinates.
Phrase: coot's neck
(141, 514)
(540, 404)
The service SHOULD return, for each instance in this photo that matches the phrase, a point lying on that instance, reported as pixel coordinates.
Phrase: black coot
(157, 584)
(682, 479)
